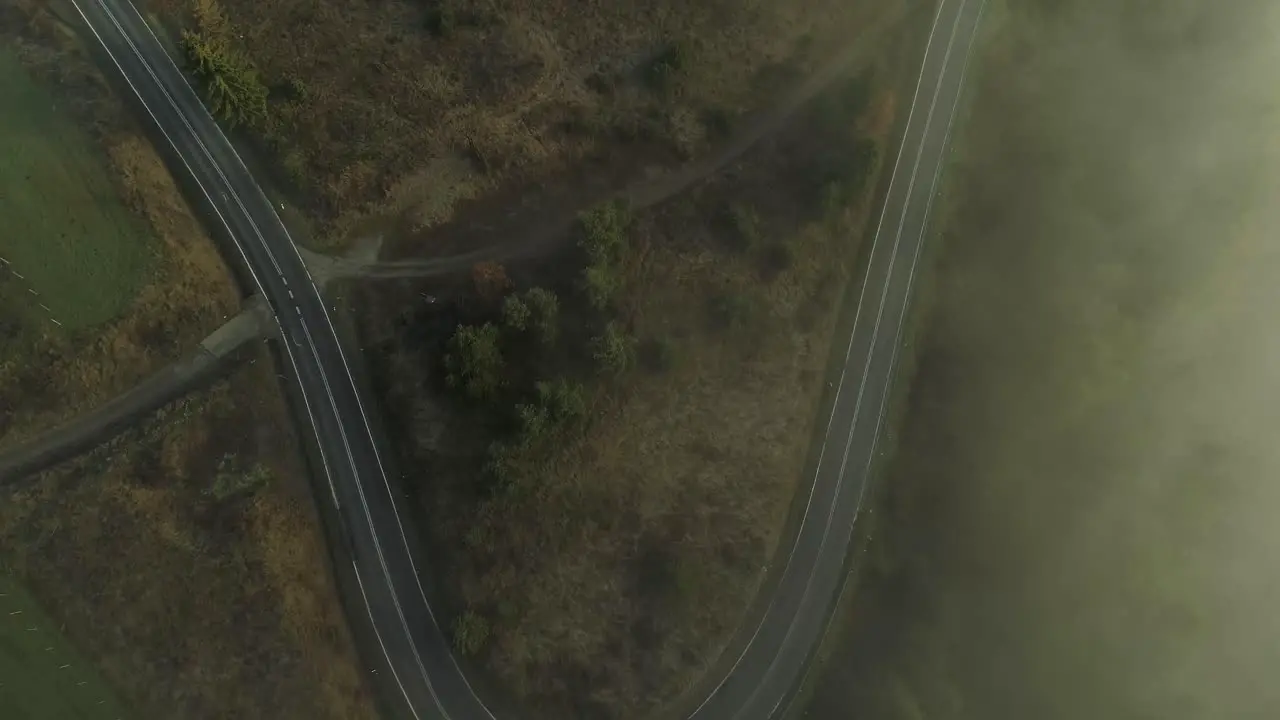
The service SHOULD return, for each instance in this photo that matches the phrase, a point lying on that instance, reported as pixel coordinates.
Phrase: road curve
(425, 680)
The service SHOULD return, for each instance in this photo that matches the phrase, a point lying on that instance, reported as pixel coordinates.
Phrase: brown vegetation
(185, 560)
(365, 96)
(644, 456)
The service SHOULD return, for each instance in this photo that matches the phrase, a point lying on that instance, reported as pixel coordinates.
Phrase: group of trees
(474, 361)
(492, 360)
(536, 311)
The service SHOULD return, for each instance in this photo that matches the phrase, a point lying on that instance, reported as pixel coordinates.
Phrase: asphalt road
(425, 681)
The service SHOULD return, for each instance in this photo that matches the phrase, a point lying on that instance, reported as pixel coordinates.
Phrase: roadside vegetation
(363, 99)
(186, 562)
(183, 560)
(106, 274)
(605, 440)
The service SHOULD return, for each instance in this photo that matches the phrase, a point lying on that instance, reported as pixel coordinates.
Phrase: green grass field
(68, 241)
(41, 676)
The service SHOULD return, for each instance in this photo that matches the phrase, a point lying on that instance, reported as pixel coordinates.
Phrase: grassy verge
(612, 435)
(41, 674)
(186, 562)
(98, 239)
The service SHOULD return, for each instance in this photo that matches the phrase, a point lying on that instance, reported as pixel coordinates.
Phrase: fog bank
(1084, 504)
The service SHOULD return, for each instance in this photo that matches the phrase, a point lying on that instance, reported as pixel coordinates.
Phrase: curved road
(425, 679)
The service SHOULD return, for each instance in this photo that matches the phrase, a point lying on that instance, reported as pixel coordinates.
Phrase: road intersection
(425, 679)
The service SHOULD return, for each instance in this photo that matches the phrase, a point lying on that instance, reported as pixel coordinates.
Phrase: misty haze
(1080, 521)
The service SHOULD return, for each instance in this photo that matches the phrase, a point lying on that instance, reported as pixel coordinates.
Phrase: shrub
(558, 403)
(667, 67)
(564, 400)
(298, 90)
(474, 361)
(515, 313)
(544, 307)
(536, 421)
(614, 349)
(490, 280)
(600, 282)
(231, 479)
(470, 633)
(500, 467)
(295, 165)
(604, 231)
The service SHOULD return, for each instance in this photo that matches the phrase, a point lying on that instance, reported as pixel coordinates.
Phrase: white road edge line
(875, 333)
(364, 417)
(239, 248)
(315, 353)
(884, 401)
(848, 351)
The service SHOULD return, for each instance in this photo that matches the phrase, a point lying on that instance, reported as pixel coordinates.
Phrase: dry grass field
(186, 562)
(365, 96)
(600, 565)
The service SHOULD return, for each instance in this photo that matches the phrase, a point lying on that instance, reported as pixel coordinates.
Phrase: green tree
(558, 402)
(600, 283)
(614, 349)
(535, 421)
(544, 307)
(501, 465)
(474, 360)
(231, 84)
(564, 399)
(604, 232)
(516, 313)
